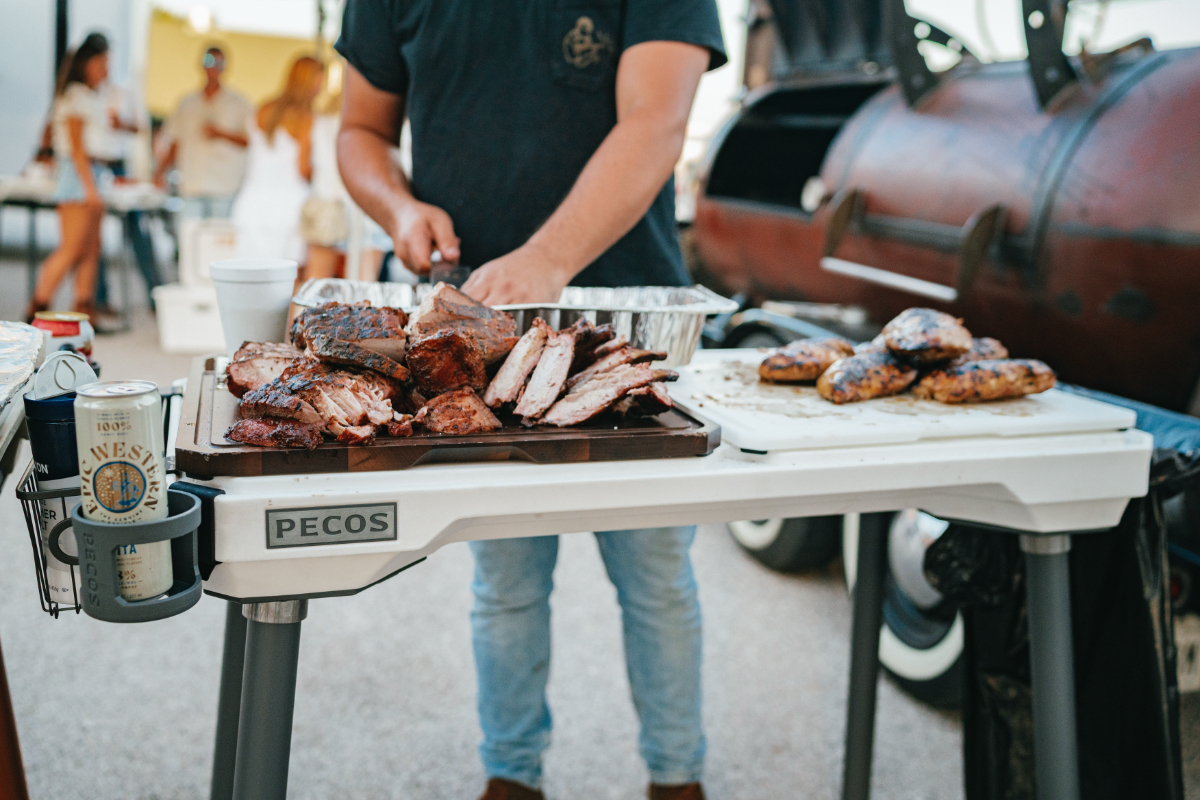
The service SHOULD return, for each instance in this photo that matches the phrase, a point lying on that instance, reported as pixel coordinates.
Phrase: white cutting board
(723, 386)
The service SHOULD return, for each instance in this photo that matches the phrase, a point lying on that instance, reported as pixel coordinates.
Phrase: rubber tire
(790, 545)
(933, 675)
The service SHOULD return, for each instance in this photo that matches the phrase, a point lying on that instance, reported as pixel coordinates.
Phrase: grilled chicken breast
(982, 349)
(861, 377)
(926, 336)
(995, 379)
(803, 359)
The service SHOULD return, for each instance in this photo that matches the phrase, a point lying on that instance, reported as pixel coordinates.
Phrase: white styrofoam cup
(253, 296)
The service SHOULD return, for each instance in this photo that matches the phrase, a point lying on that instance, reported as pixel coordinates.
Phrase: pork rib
(446, 360)
(515, 370)
(645, 401)
(591, 398)
(549, 377)
(459, 412)
(378, 329)
(623, 355)
(275, 433)
(256, 363)
(313, 393)
(495, 332)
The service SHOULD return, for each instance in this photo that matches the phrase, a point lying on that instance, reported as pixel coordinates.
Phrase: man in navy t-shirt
(545, 134)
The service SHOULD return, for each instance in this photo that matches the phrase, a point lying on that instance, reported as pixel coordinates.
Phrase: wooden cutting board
(209, 410)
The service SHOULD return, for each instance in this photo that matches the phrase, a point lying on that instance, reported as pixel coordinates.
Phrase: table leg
(233, 659)
(12, 771)
(1052, 666)
(870, 574)
(268, 698)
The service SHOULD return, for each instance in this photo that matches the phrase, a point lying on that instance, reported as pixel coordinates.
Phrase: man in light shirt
(207, 138)
(108, 142)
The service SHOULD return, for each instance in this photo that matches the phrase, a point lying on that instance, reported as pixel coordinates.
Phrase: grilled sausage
(864, 376)
(803, 359)
(994, 379)
(926, 336)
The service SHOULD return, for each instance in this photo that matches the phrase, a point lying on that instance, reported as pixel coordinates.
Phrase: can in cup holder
(104, 546)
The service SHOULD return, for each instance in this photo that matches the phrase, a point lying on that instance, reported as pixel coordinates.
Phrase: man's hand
(417, 230)
(526, 275)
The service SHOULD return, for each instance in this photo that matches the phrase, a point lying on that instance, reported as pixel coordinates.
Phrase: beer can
(51, 426)
(66, 330)
(118, 428)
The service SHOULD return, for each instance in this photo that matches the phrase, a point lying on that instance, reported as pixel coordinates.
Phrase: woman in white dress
(279, 168)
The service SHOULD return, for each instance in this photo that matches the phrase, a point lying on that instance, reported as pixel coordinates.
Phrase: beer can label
(144, 570)
(122, 479)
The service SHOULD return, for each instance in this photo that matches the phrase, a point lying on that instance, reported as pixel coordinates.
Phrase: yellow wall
(255, 65)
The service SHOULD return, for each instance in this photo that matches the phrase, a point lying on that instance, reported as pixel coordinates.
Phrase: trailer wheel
(921, 641)
(789, 545)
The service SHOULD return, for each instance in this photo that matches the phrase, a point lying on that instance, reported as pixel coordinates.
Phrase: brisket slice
(446, 360)
(311, 392)
(459, 412)
(256, 363)
(494, 331)
(549, 377)
(275, 433)
(625, 355)
(341, 351)
(511, 377)
(588, 341)
(596, 395)
(379, 329)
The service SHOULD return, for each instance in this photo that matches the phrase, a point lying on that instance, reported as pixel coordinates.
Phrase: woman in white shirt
(78, 108)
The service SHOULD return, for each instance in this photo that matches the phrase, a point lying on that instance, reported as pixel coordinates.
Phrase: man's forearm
(614, 191)
(372, 175)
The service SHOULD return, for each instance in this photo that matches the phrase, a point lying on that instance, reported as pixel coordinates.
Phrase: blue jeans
(660, 614)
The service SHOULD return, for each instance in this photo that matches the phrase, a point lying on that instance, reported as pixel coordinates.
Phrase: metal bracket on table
(283, 612)
(973, 242)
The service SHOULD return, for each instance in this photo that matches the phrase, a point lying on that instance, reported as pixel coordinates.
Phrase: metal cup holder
(99, 595)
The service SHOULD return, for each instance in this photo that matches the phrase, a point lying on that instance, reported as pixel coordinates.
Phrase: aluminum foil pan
(666, 318)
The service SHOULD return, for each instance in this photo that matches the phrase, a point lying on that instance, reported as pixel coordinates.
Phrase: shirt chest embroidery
(584, 46)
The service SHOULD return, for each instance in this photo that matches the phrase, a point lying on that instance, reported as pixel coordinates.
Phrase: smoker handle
(972, 243)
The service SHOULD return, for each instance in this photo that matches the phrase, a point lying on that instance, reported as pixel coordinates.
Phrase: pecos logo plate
(298, 527)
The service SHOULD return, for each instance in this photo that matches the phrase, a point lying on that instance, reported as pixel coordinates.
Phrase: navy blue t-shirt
(508, 101)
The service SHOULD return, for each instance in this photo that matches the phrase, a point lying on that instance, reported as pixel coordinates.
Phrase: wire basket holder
(37, 503)
(34, 504)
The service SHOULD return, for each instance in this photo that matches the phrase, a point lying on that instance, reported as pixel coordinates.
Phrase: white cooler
(188, 320)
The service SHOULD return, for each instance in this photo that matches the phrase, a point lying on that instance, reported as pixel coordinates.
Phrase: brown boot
(500, 789)
(686, 791)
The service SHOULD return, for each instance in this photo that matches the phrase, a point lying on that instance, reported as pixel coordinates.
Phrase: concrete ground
(385, 705)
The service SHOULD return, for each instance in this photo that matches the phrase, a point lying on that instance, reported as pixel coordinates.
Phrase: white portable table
(1045, 467)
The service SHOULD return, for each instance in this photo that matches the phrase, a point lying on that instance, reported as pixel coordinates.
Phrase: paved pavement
(385, 705)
